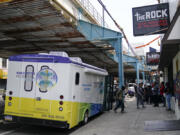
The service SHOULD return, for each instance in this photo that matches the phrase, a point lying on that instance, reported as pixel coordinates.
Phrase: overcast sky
(121, 10)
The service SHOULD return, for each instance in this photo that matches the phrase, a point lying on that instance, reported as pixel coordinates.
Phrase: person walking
(168, 96)
(120, 99)
(140, 96)
(149, 94)
(156, 95)
(162, 93)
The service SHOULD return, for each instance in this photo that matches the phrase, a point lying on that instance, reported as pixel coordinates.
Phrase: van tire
(86, 117)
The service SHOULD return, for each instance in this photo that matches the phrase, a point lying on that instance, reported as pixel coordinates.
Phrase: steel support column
(108, 93)
(143, 77)
(137, 73)
(119, 53)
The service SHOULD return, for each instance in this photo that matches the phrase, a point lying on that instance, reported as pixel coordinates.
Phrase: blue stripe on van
(40, 58)
(48, 59)
(95, 109)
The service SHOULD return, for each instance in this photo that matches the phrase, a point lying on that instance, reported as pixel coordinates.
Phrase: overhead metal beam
(97, 33)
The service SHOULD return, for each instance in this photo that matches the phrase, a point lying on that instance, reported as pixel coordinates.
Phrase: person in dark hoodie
(120, 99)
(140, 95)
(156, 95)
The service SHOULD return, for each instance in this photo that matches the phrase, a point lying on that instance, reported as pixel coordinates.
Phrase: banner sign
(152, 58)
(152, 19)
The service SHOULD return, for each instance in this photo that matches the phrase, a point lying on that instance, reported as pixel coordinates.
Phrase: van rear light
(61, 102)
(60, 109)
(9, 104)
(10, 98)
(61, 97)
(10, 92)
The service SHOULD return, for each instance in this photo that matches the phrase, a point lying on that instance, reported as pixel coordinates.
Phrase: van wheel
(85, 121)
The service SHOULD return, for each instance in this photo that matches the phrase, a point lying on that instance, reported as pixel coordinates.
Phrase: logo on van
(46, 79)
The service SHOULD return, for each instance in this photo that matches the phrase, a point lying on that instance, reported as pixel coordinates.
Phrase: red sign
(152, 58)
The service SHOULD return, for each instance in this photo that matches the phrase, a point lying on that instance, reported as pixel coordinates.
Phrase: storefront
(170, 60)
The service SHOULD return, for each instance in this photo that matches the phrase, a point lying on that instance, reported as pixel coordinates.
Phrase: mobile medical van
(53, 89)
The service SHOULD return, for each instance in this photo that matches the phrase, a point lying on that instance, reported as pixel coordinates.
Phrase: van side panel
(88, 94)
(93, 92)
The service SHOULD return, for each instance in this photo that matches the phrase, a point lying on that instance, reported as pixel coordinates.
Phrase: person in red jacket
(162, 94)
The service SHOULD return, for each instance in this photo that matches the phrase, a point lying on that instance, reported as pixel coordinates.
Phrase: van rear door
(44, 82)
(27, 87)
(34, 88)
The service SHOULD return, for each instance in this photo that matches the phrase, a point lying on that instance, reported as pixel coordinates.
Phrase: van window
(28, 83)
(43, 67)
(77, 77)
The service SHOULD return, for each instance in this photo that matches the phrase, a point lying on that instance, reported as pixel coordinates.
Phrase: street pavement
(129, 123)
(108, 123)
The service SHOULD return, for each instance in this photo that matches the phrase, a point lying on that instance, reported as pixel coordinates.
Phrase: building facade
(170, 54)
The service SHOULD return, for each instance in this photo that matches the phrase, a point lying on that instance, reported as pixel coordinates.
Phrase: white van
(48, 89)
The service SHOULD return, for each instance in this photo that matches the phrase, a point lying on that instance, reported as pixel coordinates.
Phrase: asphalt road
(9, 128)
(17, 129)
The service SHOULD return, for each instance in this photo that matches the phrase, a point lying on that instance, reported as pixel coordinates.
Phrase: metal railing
(86, 4)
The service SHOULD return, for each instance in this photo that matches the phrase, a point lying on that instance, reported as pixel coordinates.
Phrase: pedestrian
(149, 94)
(162, 94)
(152, 88)
(156, 95)
(168, 96)
(120, 99)
(140, 96)
(146, 95)
(135, 88)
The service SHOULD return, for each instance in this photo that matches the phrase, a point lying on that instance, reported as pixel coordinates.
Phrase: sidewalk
(129, 123)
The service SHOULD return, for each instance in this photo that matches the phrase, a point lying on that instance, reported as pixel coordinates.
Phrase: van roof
(50, 59)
